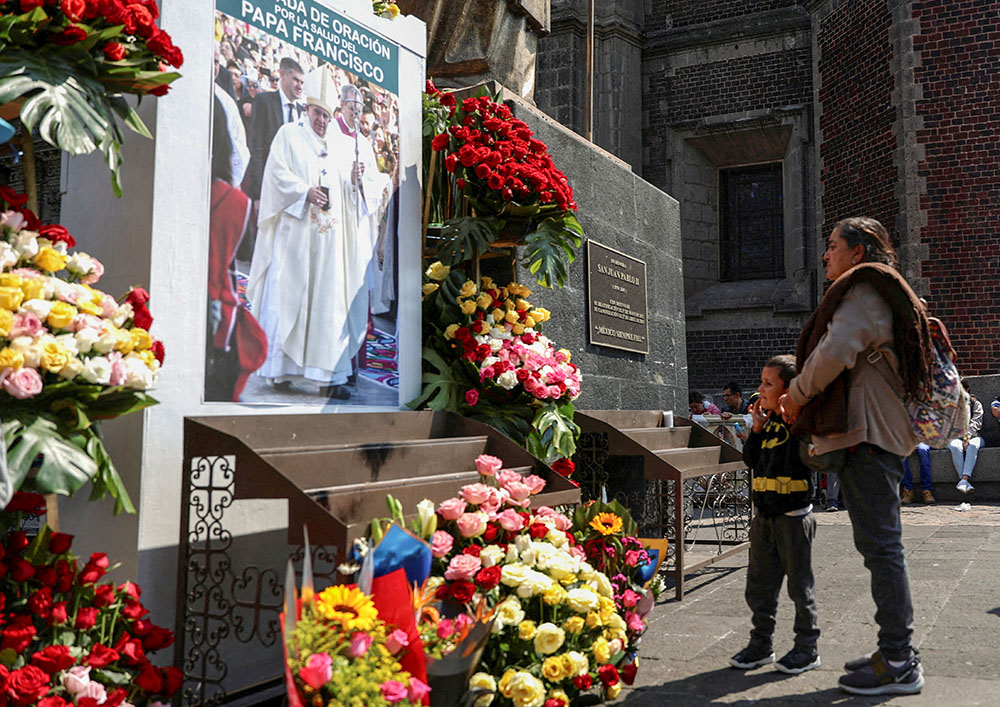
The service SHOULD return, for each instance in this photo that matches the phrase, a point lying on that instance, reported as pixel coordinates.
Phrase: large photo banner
(303, 279)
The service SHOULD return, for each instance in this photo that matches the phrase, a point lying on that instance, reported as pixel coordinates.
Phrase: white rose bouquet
(69, 354)
(556, 631)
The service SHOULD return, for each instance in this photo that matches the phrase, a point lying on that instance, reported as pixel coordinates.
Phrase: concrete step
(628, 419)
(689, 457)
(323, 465)
(985, 476)
(660, 437)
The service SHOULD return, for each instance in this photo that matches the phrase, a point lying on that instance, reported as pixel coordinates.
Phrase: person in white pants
(965, 450)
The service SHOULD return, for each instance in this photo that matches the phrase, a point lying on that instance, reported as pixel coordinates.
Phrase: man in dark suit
(271, 110)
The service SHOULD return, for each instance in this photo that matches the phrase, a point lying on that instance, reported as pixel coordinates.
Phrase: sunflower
(606, 523)
(349, 606)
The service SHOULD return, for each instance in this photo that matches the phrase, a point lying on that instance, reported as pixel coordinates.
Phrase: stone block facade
(621, 211)
(884, 108)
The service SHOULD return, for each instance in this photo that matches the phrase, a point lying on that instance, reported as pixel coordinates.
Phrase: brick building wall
(737, 85)
(857, 116)
(893, 107)
(717, 357)
(958, 44)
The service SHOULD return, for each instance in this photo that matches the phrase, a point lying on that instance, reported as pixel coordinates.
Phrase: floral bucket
(449, 676)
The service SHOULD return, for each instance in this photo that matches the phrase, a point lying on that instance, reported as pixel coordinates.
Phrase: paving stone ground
(954, 561)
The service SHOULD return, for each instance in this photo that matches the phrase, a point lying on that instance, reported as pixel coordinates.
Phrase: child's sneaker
(797, 661)
(753, 656)
(877, 677)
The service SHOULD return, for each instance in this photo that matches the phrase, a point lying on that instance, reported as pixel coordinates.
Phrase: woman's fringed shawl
(827, 413)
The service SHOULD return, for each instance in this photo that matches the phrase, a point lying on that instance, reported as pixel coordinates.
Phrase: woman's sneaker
(964, 486)
(877, 677)
(753, 656)
(858, 663)
(797, 661)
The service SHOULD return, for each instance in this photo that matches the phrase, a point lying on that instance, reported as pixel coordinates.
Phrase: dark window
(750, 223)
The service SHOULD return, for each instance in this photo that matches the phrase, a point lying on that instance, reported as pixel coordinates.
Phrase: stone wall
(619, 210)
(721, 92)
(561, 90)
(736, 355)
(48, 176)
(670, 14)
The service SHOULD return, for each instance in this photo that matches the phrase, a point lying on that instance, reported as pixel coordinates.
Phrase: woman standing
(846, 401)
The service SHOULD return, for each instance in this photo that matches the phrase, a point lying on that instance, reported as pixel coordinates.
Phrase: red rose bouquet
(65, 637)
(69, 354)
(70, 61)
(492, 163)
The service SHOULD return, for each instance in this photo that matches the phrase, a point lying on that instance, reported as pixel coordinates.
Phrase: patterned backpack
(941, 413)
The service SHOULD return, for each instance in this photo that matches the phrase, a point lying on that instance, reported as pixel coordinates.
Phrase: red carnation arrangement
(70, 22)
(72, 640)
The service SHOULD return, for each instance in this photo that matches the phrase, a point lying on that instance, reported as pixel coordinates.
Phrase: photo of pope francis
(307, 274)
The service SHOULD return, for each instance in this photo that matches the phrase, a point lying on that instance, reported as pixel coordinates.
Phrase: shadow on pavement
(707, 688)
(702, 578)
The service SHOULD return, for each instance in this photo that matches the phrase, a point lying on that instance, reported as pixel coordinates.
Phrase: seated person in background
(698, 404)
(965, 451)
(732, 396)
(926, 487)
(995, 409)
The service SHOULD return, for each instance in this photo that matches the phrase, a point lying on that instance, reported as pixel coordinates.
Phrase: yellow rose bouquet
(493, 363)
(70, 354)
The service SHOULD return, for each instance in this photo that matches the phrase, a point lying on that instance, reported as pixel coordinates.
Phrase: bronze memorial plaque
(616, 295)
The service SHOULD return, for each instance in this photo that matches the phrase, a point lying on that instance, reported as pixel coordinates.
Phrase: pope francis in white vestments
(307, 276)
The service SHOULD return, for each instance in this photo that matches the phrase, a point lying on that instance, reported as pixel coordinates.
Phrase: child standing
(782, 530)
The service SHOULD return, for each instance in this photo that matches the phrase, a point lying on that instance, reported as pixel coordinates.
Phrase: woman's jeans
(964, 466)
(869, 483)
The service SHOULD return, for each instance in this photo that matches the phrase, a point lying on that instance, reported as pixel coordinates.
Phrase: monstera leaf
(442, 390)
(552, 247)
(71, 109)
(554, 434)
(64, 466)
(46, 456)
(466, 237)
